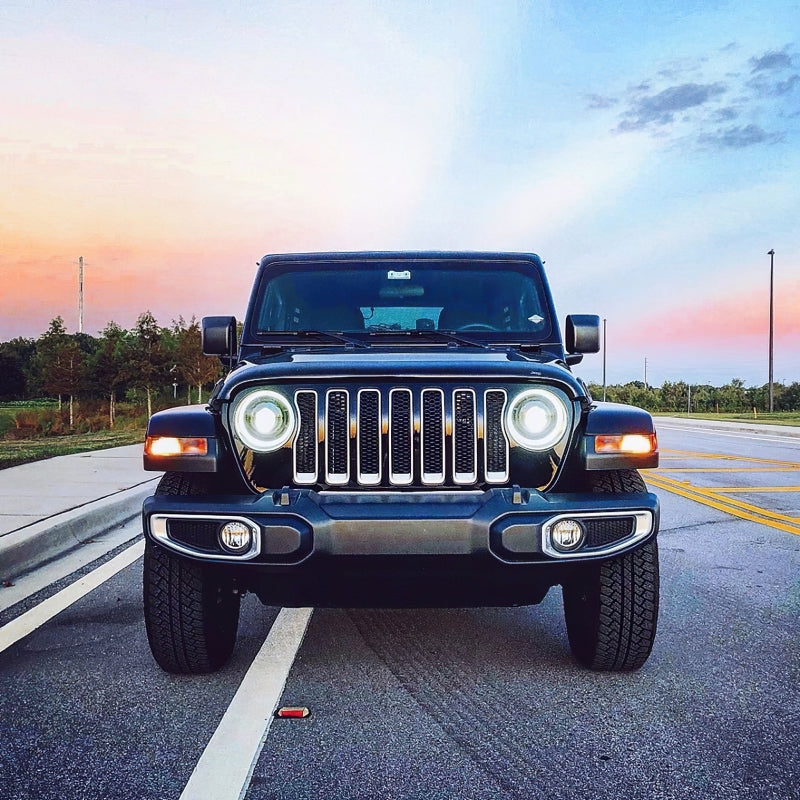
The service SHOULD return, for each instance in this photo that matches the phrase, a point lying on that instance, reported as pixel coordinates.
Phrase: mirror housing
(219, 338)
(582, 334)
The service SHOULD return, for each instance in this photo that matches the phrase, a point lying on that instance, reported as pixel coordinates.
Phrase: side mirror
(219, 338)
(582, 334)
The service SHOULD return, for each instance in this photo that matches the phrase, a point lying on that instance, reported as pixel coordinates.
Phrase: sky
(648, 152)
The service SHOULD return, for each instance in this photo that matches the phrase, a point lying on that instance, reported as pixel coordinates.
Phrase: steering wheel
(478, 326)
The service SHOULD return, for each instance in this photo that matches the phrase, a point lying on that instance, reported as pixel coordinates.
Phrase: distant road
(748, 471)
(456, 703)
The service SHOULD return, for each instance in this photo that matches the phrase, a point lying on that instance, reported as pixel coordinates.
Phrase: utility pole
(80, 295)
(771, 255)
(645, 373)
(604, 360)
(689, 402)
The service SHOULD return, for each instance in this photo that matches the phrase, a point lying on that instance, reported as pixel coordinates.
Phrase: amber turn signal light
(632, 443)
(174, 446)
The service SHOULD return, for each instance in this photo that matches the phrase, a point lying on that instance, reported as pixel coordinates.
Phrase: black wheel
(611, 609)
(191, 612)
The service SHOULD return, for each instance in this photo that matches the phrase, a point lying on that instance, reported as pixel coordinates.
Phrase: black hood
(337, 364)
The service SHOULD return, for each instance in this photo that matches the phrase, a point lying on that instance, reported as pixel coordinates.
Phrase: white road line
(224, 770)
(28, 622)
(756, 437)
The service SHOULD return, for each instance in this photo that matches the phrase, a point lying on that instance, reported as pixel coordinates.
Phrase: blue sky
(648, 152)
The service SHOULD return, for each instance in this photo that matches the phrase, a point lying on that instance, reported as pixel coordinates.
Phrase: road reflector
(292, 712)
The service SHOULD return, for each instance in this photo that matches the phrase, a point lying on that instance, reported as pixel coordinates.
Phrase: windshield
(376, 297)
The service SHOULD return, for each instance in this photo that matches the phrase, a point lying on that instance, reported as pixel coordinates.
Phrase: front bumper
(509, 525)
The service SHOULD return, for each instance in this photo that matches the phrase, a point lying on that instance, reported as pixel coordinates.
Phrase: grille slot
(401, 441)
(369, 437)
(337, 437)
(494, 441)
(305, 446)
(465, 437)
(432, 436)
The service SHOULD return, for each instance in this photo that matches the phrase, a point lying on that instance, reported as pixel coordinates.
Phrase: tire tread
(191, 617)
(612, 615)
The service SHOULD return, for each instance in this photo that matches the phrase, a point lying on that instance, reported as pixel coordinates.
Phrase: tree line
(679, 396)
(148, 362)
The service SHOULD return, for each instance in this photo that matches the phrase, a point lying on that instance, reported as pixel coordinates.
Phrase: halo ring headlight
(537, 419)
(263, 420)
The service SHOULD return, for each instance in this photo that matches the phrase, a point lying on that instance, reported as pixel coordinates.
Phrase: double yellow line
(716, 499)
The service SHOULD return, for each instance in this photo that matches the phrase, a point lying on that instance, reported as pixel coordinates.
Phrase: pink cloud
(741, 318)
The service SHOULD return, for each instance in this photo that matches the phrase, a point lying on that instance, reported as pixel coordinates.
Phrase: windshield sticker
(536, 318)
(399, 275)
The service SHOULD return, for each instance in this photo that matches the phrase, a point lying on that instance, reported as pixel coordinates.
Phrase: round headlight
(263, 420)
(537, 419)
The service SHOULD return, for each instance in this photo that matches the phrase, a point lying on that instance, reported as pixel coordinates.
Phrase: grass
(9, 409)
(23, 451)
(763, 417)
(14, 451)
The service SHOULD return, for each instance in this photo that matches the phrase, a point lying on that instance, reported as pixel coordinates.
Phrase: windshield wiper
(331, 336)
(441, 335)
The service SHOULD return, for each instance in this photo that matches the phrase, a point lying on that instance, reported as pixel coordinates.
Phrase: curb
(32, 546)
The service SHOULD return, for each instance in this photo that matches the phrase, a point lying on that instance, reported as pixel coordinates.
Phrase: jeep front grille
(400, 437)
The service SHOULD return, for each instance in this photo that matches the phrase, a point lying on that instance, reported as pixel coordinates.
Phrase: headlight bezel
(537, 399)
(242, 413)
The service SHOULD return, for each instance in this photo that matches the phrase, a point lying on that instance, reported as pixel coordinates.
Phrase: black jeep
(400, 429)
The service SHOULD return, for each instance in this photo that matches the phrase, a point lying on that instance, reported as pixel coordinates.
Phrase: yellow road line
(727, 505)
(793, 468)
(706, 492)
(672, 455)
(753, 490)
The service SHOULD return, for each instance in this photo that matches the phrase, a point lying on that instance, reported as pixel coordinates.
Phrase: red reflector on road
(292, 712)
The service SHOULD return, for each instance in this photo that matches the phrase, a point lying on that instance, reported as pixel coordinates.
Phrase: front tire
(191, 611)
(611, 609)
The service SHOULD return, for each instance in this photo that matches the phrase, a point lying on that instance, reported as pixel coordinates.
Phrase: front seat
(454, 318)
(341, 318)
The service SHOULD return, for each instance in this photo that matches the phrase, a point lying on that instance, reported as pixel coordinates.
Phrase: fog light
(567, 535)
(236, 537)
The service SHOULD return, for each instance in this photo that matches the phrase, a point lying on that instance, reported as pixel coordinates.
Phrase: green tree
(195, 368)
(147, 357)
(61, 364)
(107, 366)
(674, 396)
(789, 397)
(16, 358)
(732, 396)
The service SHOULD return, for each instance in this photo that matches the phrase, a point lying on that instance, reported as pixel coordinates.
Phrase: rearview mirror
(582, 334)
(219, 337)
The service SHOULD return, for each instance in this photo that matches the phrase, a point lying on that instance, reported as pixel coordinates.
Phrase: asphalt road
(465, 703)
